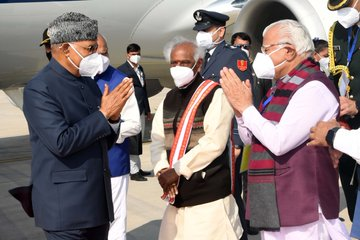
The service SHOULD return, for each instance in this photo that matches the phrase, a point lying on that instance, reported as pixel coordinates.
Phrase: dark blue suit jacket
(69, 138)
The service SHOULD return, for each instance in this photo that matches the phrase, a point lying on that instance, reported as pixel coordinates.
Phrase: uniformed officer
(211, 32)
(344, 54)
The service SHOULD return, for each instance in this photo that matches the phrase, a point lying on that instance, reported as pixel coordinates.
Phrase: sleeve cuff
(183, 170)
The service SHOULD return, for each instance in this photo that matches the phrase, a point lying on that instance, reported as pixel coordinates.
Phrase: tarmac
(145, 208)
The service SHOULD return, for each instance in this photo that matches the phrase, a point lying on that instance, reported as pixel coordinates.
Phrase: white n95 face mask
(263, 65)
(204, 39)
(324, 65)
(135, 59)
(182, 75)
(91, 65)
(348, 16)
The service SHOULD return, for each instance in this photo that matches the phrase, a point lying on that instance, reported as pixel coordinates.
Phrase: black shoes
(144, 173)
(137, 177)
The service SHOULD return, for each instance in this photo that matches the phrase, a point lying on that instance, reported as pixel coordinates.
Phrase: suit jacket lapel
(136, 80)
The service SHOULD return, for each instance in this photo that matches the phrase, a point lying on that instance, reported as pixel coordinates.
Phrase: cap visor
(45, 41)
(201, 27)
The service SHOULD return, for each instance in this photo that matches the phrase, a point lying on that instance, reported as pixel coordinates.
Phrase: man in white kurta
(186, 219)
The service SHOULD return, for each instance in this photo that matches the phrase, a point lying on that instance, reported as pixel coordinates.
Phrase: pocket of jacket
(69, 176)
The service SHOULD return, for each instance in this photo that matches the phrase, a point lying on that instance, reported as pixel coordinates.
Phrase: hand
(113, 102)
(161, 171)
(237, 152)
(347, 106)
(237, 92)
(149, 116)
(319, 132)
(168, 179)
(173, 191)
(335, 156)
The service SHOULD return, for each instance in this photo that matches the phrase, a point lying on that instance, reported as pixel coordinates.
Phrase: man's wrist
(113, 121)
(330, 136)
(357, 105)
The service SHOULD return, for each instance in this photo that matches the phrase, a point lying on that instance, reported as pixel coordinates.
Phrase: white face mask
(348, 16)
(135, 59)
(204, 39)
(324, 64)
(91, 65)
(263, 65)
(182, 75)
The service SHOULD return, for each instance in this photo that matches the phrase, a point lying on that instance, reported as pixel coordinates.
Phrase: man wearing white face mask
(344, 55)
(72, 125)
(132, 69)
(321, 54)
(293, 190)
(189, 152)
(211, 33)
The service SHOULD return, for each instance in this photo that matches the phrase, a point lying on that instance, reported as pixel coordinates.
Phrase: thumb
(106, 90)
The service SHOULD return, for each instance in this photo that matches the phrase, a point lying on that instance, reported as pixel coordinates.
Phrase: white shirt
(139, 73)
(348, 142)
(130, 119)
(311, 103)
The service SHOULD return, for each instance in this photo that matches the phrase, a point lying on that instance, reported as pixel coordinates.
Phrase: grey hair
(199, 52)
(72, 27)
(295, 33)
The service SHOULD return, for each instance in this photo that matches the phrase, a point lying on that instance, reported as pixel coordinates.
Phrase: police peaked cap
(334, 5)
(205, 19)
(46, 38)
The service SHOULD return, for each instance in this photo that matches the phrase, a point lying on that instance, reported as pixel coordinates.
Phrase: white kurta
(348, 142)
(214, 220)
(130, 126)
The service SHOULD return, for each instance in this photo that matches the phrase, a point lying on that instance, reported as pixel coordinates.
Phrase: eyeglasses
(91, 48)
(244, 46)
(266, 48)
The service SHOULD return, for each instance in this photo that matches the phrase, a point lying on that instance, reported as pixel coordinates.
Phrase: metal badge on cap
(198, 16)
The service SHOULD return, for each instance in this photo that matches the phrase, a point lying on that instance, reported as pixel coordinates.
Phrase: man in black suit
(71, 127)
(132, 69)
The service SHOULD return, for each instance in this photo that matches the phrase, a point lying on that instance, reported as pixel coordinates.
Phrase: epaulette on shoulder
(228, 46)
(232, 48)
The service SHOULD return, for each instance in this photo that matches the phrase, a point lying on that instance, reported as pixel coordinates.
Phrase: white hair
(291, 31)
(199, 52)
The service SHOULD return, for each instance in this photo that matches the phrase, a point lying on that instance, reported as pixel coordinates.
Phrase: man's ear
(290, 54)
(199, 65)
(65, 48)
(222, 31)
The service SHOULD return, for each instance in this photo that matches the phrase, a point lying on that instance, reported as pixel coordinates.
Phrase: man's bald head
(102, 45)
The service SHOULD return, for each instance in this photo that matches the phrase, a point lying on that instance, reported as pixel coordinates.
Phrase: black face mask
(48, 55)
